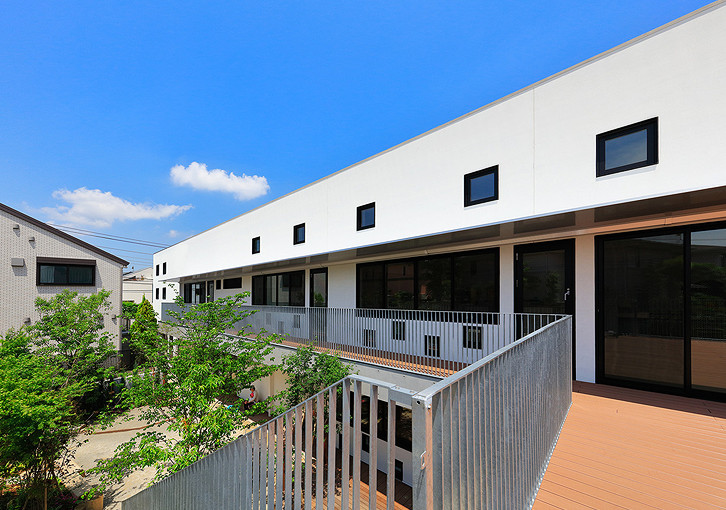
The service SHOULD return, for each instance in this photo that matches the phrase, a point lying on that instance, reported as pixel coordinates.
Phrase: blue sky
(114, 115)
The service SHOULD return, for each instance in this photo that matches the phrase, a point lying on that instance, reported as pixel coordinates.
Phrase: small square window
(481, 186)
(398, 470)
(298, 234)
(626, 148)
(398, 330)
(366, 216)
(163, 270)
(255, 245)
(163, 293)
(472, 337)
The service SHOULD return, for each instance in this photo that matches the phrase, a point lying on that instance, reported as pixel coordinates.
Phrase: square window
(366, 216)
(398, 330)
(163, 270)
(298, 234)
(432, 343)
(626, 148)
(398, 470)
(472, 337)
(481, 186)
(255, 245)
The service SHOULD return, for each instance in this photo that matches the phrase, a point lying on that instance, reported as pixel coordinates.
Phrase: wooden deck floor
(624, 448)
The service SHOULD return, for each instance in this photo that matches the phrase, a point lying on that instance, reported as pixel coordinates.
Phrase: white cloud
(196, 175)
(173, 233)
(98, 208)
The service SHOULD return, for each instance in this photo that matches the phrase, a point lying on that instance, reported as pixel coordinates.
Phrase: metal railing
(483, 437)
(286, 462)
(431, 342)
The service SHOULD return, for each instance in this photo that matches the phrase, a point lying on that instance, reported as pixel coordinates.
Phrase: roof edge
(68, 237)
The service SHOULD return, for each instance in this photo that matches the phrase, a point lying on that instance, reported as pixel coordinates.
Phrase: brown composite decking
(622, 448)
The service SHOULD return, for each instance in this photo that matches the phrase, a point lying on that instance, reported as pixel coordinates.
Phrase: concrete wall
(18, 290)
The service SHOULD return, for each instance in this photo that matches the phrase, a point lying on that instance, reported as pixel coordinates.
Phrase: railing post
(423, 490)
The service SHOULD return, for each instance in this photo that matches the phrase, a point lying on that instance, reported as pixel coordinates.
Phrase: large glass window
(319, 287)
(466, 282)
(626, 148)
(434, 283)
(708, 310)
(476, 282)
(282, 289)
(399, 285)
(66, 274)
(643, 281)
(196, 293)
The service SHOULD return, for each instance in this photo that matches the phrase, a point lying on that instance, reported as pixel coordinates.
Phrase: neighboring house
(138, 284)
(41, 261)
(598, 192)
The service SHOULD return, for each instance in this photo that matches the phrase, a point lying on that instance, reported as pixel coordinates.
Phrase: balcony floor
(622, 448)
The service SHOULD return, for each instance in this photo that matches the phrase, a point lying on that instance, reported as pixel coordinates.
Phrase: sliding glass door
(662, 309)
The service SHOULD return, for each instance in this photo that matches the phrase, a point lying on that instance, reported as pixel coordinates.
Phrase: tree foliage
(47, 372)
(309, 372)
(183, 385)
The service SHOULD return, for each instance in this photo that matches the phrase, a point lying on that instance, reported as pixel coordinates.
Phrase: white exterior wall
(18, 290)
(142, 286)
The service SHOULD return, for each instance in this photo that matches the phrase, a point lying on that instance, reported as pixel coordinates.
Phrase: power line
(110, 236)
(121, 249)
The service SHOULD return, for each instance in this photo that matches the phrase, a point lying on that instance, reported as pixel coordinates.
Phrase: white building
(138, 284)
(41, 261)
(598, 192)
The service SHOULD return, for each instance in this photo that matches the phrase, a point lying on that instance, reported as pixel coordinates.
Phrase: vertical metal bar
(255, 469)
(298, 457)
(271, 466)
(308, 494)
(319, 460)
(373, 455)
(288, 459)
(280, 468)
(345, 454)
(332, 438)
(358, 446)
(391, 451)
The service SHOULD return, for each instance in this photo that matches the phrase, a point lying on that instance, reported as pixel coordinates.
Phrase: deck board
(623, 448)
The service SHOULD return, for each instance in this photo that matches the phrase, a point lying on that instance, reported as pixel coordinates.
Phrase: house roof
(59, 233)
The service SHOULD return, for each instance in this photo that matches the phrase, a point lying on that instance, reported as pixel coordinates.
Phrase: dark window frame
(359, 216)
(232, 283)
(492, 315)
(297, 228)
(492, 170)
(651, 127)
(59, 262)
(157, 293)
(163, 268)
(163, 293)
(255, 245)
(262, 300)
(322, 270)
(157, 269)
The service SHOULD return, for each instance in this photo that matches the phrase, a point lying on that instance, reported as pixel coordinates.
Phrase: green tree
(184, 384)
(144, 331)
(70, 334)
(309, 372)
